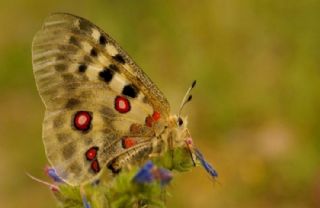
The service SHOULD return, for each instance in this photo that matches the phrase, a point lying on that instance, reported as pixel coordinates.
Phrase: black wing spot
(68, 77)
(61, 137)
(103, 40)
(73, 102)
(87, 59)
(106, 75)
(130, 90)
(75, 168)
(68, 150)
(82, 68)
(107, 112)
(74, 41)
(84, 25)
(93, 52)
(119, 59)
(58, 122)
(111, 166)
(114, 67)
(60, 67)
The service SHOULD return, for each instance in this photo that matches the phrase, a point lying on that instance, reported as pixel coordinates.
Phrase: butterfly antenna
(187, 97)
(52, 186)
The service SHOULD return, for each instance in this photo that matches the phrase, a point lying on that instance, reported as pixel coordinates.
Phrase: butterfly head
(179, 133)
(183, 139)
(179, 123)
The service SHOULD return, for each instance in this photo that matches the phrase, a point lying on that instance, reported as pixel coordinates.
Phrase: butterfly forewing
(94, 96)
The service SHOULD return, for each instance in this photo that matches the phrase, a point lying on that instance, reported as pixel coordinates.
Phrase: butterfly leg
(159, 147)
(84, 198)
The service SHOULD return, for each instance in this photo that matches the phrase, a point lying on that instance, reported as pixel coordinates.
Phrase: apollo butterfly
(103, 113)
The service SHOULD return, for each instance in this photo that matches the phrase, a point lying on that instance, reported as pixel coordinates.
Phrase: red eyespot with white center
(82, 120)
(91, 153)
(122, 104)
(95, 167)
(128, 142)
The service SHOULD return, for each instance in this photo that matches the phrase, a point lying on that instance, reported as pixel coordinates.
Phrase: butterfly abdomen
(136, 156)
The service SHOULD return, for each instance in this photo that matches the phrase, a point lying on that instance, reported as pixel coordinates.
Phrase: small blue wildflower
(150, 173)
(51, 172)
(145, 175)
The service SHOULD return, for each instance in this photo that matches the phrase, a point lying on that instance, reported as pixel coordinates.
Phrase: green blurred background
(256, 109)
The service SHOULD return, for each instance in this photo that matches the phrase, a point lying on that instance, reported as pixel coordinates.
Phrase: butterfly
(102, 111)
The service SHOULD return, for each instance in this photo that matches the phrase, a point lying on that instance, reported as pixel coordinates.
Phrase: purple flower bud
(165, 176)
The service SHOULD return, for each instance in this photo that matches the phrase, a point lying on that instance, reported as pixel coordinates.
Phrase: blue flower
(51, 172)
(150, 173)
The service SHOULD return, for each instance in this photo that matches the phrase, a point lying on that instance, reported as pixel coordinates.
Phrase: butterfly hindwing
(95, 96)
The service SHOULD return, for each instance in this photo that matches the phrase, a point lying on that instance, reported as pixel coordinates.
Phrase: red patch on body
(151, 119)
(156, 116)
(128, 142)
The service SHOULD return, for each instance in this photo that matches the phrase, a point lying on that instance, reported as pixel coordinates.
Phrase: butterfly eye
(180, 121)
